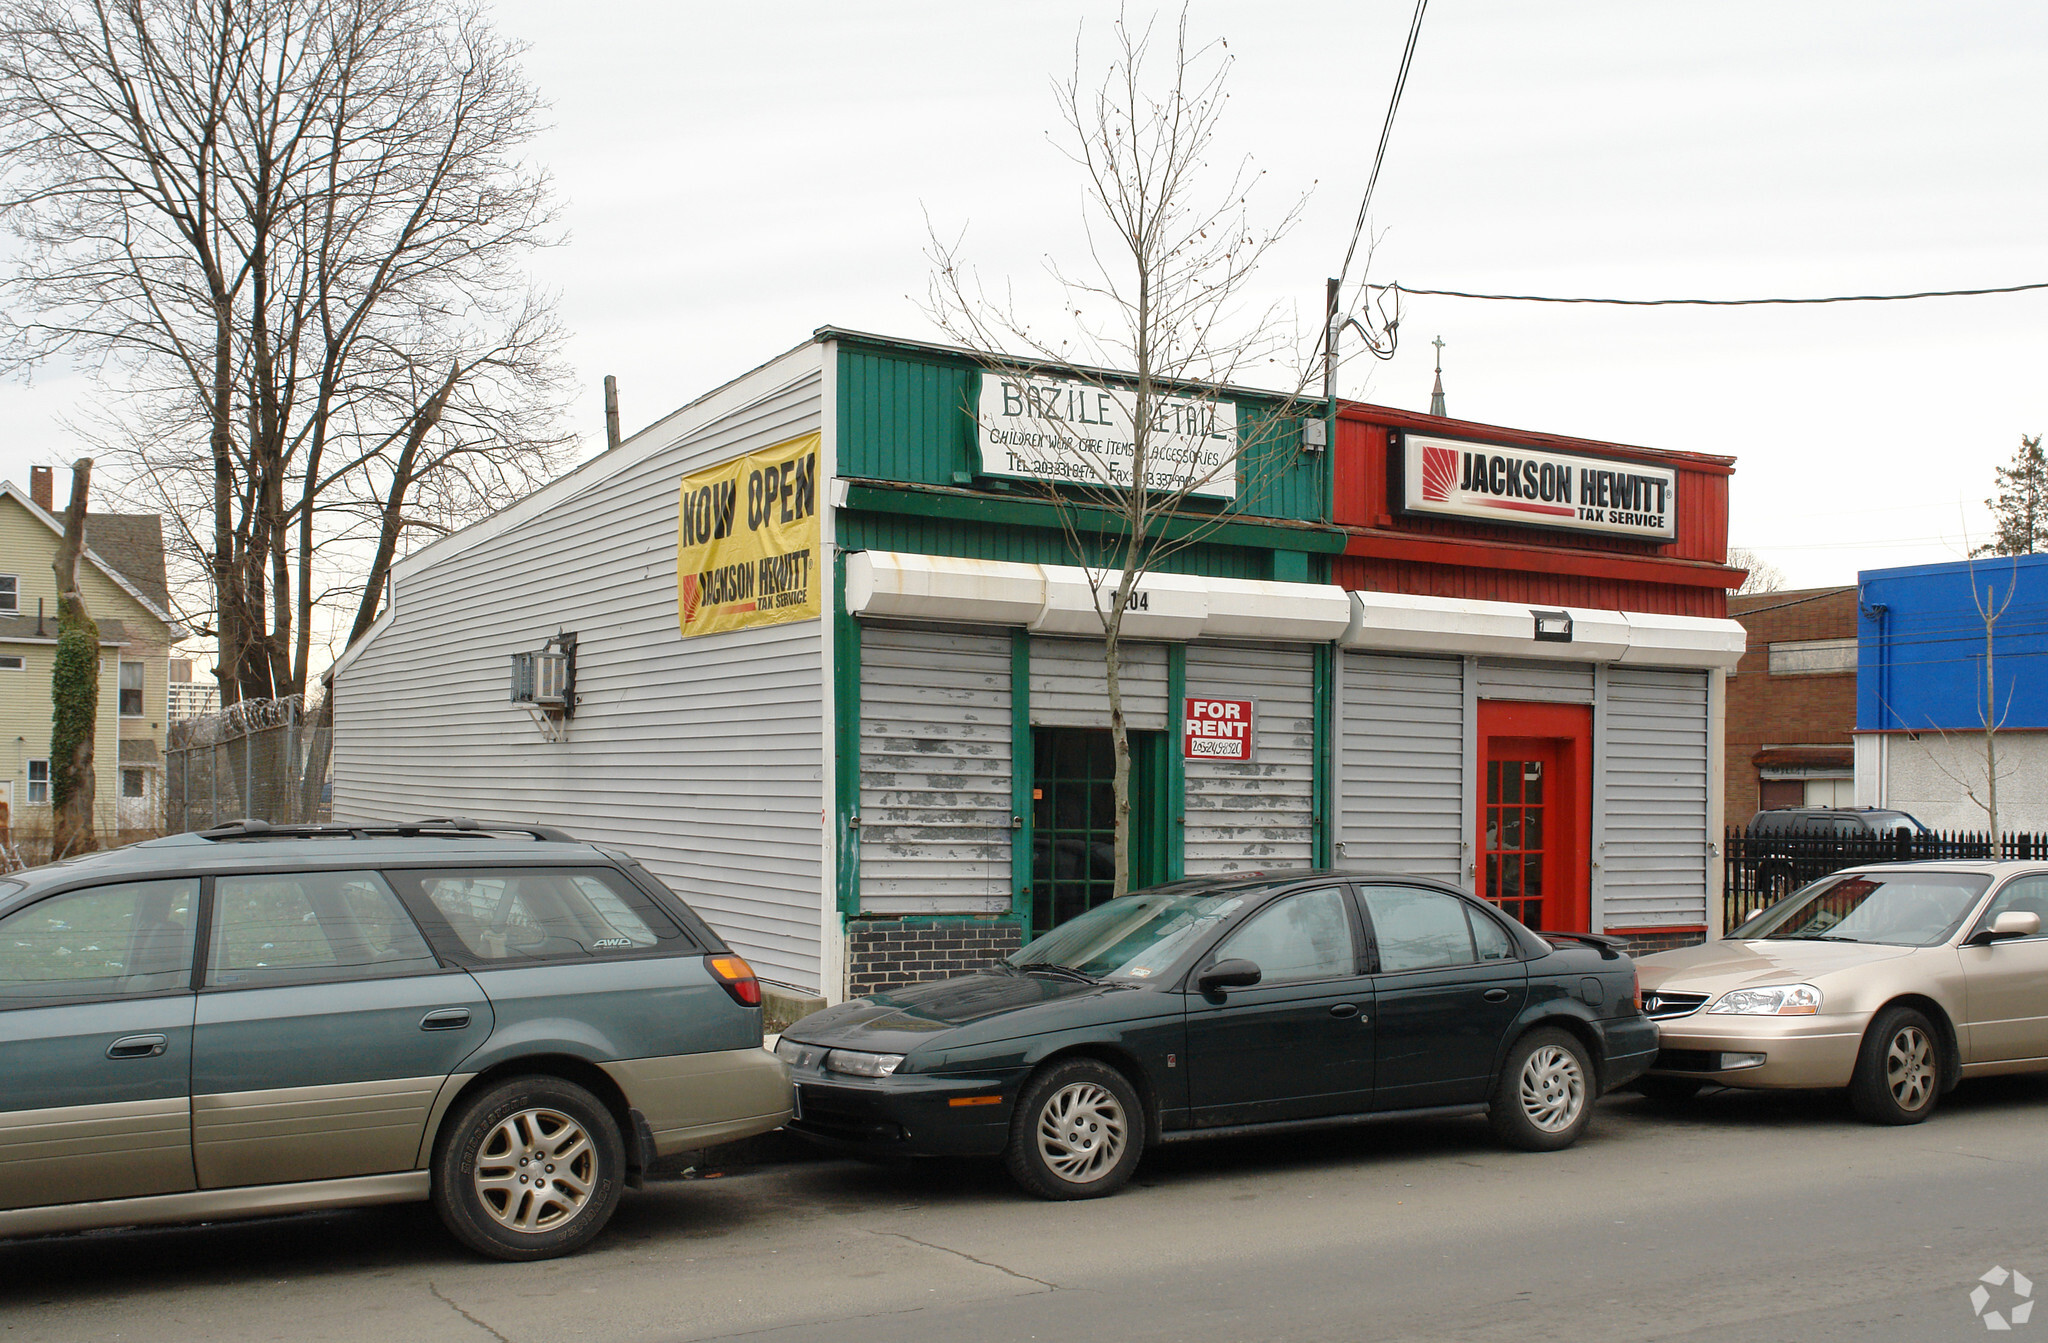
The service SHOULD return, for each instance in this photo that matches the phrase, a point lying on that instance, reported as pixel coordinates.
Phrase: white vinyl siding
(704, 758)
(1652, 849)
(1070, 684)
(1401, 766)
(935, 800)
(1536, 682)
(1261, 814)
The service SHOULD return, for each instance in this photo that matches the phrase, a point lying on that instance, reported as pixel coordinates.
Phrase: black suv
(1787, 847)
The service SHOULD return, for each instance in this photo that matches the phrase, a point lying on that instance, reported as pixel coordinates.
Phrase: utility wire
(1386, 132)
(1707, 302)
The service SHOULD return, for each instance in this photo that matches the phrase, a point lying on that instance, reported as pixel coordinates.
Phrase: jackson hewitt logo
(2012, 1290)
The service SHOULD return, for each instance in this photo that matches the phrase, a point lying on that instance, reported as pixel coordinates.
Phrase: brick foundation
(884, 954)
(1642, 944)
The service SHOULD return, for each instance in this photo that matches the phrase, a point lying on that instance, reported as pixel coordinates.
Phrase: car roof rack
(445, 827)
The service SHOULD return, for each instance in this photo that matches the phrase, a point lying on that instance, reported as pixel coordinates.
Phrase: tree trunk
(1120, 743)
(74, 688)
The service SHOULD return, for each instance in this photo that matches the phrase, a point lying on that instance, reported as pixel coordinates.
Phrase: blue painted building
(1921, 690)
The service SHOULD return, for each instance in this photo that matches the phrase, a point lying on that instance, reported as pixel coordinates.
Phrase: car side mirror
(1236, 973)
(2012, 923)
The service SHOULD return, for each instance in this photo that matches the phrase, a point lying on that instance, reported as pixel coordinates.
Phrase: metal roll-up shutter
(1538, 682)
(1653, 782)
(935, 801)
(1260, 813)
(1070, 684)
(1401, 766)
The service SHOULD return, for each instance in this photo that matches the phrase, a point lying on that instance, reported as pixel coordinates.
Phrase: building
(816, 647)
(1942, 650)
(1792, 702)
(190, 698)
(122, 577)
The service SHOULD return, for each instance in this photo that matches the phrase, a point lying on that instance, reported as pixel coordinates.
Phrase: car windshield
(1135, 937)
(1912, 909)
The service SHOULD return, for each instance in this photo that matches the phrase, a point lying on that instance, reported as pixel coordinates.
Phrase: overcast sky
(734, 176)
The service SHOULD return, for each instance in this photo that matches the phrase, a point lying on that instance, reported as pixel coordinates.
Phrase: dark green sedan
(1227, 1006)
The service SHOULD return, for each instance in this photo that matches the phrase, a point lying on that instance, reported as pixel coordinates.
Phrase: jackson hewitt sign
(1532, 487)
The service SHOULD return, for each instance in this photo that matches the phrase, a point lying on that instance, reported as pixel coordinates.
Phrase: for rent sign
(1060, 429)
(1216, 729)
(1534, 487)
(747, 541)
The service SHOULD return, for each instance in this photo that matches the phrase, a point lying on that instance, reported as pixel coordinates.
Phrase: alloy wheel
(1553, 1088)
(536, 1170)
(1081, 1131)
(1909, 1068)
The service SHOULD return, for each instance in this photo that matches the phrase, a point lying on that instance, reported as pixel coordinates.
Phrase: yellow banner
(747, 541)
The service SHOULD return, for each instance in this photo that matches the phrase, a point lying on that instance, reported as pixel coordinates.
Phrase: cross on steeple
(1436, 397)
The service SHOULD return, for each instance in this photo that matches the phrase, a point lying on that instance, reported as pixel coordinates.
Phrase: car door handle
(137, 1047)
(1496, 995)
(1342, 1010)
(447, 1019)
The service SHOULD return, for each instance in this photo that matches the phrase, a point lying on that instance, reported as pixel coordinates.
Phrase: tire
(1078, 1131)
(1899, 1069)
(1545, 1094)
(1668, 1090)
(529, 1168)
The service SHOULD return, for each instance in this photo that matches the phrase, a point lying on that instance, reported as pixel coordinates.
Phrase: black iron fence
(1763, 868)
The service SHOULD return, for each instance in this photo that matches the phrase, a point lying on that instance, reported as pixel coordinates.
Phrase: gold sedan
(1895, 981)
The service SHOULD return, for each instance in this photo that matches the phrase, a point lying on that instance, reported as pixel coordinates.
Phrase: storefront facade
(876, 747)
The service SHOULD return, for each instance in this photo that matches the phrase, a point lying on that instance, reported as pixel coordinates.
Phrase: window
(39, 783)
(310, 927)
(133, 784)
(1418, 929)
(1813, 657)
(1301, 937)
(13, 662)
(509, 916)
(1491, 939)
(103, 942)
(10, 593)
(131, 690)
(2027, 895)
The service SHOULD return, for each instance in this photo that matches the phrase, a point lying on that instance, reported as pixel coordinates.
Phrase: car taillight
(737, 977)
(1636, 980)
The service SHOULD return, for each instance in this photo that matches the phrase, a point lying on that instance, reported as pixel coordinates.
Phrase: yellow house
(122, 577)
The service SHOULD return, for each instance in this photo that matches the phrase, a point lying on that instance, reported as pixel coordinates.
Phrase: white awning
(1398, 623)
(1058, 599)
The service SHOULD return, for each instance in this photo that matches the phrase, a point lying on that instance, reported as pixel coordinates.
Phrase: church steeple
(1436, 396)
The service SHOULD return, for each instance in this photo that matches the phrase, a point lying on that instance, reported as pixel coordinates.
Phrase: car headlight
(1778, 1000)
(798, 1054)
(857, 1064)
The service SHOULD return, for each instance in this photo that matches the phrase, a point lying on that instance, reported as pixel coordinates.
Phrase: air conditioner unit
(546, 678)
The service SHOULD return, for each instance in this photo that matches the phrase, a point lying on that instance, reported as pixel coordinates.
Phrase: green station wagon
(257, 1020)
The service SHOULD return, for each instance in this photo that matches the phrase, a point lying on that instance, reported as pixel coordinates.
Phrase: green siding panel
(910, 417)
(1019, 545)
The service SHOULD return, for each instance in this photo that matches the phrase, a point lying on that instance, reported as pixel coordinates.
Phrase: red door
(1535, 812)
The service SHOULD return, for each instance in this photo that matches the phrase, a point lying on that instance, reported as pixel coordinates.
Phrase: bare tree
(1991, 714)
(74, 687)
(288, 237)
(1172, 249)
(1763, 575)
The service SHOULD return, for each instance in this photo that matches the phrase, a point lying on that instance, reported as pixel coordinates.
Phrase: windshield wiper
(1063, 971)
(1816, 937)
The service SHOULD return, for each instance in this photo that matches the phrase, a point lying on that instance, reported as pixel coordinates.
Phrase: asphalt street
(1733, 1217)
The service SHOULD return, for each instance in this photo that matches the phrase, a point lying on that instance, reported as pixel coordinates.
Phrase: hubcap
(1081, 1132)
(1909, 1068)
(535, 1170)
(1553, 1089)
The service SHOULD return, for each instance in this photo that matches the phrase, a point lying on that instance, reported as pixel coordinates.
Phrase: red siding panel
(1523, 564)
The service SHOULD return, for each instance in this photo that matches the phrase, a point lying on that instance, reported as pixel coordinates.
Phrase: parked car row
(515, 1026)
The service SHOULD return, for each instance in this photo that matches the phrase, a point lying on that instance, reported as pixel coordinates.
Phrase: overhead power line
(1386, 133)
(1717, 302)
